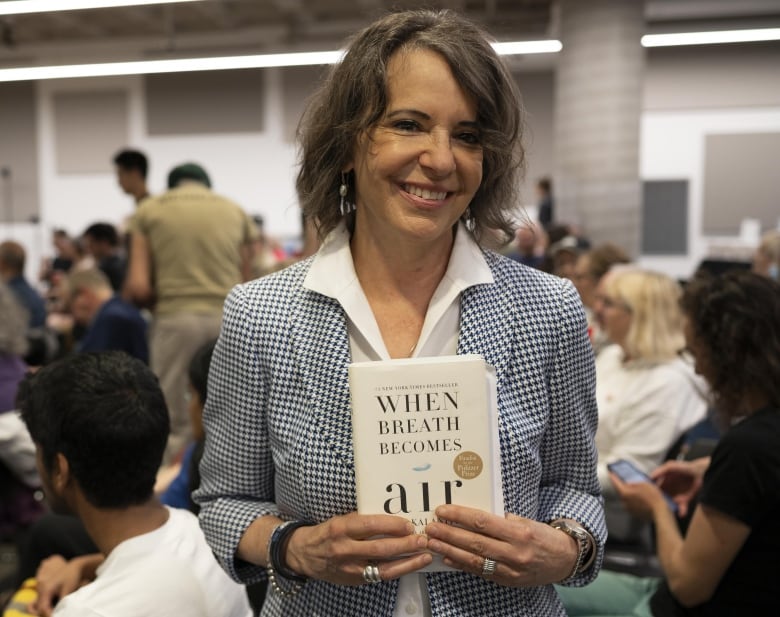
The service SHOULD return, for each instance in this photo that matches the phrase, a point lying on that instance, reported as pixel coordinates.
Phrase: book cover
(425, 433)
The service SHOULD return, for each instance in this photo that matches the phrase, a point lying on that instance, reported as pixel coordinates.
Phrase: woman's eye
(472, 139)
(406, 125)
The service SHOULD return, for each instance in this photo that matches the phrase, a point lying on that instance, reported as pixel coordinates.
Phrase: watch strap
(586, 552)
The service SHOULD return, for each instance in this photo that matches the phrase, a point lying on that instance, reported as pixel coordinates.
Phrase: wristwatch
(587, 547)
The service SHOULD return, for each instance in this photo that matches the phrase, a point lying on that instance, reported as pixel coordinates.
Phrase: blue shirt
(119, 326)
(30, 300)
(177, 495)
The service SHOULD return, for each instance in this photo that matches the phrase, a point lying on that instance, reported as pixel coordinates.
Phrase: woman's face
(584, 281)
(762, 262)
(697, 350)
(613, 315)
(417, 170)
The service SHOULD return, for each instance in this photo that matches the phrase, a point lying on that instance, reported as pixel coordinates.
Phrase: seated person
(589, 269)
(99, 447)
(101, 241)
(65, 536)
(19, 481)
(648, 394)
(13, 346)
(110, 323)
(12, 261)
(529, 245)
(726, 564)
(178, 493)
(766, 260)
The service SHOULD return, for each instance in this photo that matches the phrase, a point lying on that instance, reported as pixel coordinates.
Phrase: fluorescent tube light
(169, 66)
(527, 47)
(20, 7)
(708, 38)
(331, 57)
(142, 67)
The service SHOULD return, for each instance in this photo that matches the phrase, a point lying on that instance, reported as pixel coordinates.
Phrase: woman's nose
(438, 155)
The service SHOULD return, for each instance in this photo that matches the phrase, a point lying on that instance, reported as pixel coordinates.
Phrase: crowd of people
(179, 391)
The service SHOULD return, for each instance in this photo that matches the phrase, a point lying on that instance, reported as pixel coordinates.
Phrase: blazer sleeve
(569, 483)
(237, 468)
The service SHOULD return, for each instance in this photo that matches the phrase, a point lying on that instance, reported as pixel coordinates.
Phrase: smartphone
(629, 473)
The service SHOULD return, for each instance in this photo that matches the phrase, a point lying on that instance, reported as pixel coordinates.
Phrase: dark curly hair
(734, 332)
(354, 98)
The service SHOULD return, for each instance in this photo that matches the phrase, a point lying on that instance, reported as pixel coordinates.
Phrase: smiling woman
(410, 154)
(417, 171)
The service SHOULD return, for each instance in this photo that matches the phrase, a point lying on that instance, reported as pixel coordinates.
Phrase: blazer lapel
(484, 325)
(321, 349)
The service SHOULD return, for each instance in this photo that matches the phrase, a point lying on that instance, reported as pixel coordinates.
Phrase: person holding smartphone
(627, 472)
(726, 564)
(647, 391)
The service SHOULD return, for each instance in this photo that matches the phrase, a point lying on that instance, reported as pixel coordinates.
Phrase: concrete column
(596, 119)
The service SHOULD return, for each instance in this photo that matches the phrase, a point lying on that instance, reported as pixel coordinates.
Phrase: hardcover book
(425, 433)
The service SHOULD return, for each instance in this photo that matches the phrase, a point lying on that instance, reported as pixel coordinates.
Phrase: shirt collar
(333, 272)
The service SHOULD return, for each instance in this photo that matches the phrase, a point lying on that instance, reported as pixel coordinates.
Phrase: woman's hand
(56, 578)
(640, 498)
(681, 480)
(526, 552)
(339, 549)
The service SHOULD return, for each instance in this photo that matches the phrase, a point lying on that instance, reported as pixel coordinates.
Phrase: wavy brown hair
(734, 331)
(354, 98)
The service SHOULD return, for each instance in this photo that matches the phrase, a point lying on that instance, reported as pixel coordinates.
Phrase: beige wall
(256, 166)
(712, 76)
(18, 153)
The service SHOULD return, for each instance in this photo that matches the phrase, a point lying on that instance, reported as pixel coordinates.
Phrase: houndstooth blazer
(279, 432)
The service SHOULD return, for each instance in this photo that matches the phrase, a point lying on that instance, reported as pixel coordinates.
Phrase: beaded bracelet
(276, 567)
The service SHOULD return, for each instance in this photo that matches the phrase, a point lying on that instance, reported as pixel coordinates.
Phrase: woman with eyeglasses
(648, 394)
(589, 269)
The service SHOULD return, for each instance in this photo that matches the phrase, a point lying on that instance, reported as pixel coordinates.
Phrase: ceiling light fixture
(331, 57)
(511, 48)
(259, 61)
(21, 7)
(709, 38)
(169, 66)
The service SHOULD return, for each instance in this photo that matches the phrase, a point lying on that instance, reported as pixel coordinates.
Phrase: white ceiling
(228, 27)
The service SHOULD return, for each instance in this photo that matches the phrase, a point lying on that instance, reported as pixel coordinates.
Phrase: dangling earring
(468, 220)
(345, 206)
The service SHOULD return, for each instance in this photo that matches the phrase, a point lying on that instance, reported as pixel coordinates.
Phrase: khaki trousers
(173, 341)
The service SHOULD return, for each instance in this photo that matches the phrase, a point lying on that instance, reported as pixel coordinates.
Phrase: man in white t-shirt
(100, 425)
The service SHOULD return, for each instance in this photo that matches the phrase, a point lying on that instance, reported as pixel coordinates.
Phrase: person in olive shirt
(189, 247)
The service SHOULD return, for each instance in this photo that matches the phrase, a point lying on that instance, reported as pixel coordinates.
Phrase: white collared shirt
(333, 274)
